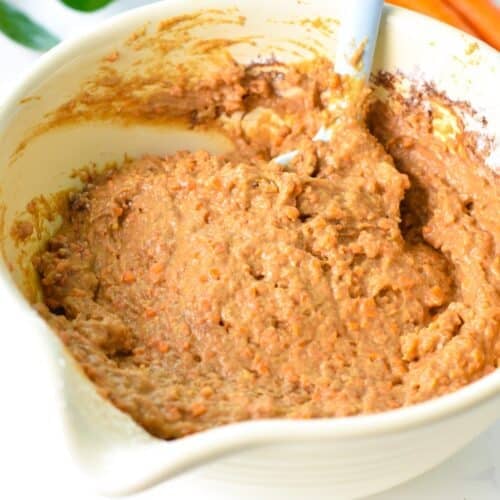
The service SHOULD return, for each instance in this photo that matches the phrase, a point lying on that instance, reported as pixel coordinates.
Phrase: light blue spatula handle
(359, 22)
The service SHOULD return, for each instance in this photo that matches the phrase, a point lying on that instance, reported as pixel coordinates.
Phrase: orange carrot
(455, 19)
(483, 16)
(439, 10)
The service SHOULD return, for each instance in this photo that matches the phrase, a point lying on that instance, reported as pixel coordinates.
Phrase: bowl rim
(279, 429)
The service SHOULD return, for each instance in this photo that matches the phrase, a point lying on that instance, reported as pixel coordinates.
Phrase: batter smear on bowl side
(197, 290)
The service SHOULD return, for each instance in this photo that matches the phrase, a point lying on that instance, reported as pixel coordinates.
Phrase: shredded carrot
(207, 392)
(149, 313)
(483, 16)
(157, 268)
(214, 273)
(112, 57)
(216, 184)
(439, 10)
(128, 277)
(162, 346)
(198, 409)
(117, 211)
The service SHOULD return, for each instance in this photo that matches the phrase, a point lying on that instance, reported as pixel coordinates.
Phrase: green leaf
(20, 28)
(86, 5)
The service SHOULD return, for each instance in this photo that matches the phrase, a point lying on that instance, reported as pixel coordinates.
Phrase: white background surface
(34, 461)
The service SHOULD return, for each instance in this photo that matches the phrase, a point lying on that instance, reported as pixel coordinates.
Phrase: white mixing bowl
(341, 458)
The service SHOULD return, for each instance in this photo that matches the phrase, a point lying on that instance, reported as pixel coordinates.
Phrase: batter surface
(197, 290)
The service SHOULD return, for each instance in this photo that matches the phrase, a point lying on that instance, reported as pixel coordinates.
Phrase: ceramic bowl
(339, 458)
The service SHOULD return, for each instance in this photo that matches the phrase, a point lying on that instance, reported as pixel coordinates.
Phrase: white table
(34, 462)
